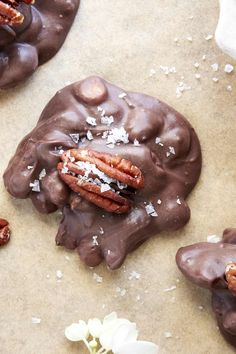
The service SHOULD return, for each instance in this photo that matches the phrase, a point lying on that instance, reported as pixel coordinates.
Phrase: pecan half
(103, 179)
(4, 232)
(230, 275)
(9, 15)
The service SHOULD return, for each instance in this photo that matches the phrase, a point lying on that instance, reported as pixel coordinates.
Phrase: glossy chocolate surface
(205, 264)
(149, 133)
(24, 47)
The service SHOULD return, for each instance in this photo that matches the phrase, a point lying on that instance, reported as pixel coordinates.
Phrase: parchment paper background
(122, 41)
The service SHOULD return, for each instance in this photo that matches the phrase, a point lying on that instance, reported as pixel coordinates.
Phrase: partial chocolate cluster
(119, 165)
(213, 266)
(38, 33)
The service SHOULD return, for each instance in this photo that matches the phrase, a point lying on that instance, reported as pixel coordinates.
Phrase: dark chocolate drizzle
(24, 47)
(169, 176)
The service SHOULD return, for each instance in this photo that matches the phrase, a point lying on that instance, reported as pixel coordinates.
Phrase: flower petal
(138, 347)
(109, 330)
(77, 331)
(125, 333)
(95, 327)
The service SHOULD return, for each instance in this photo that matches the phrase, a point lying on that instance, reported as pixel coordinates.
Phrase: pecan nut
(230, 275)
(9, 15)
(4, 232)
(103, 179)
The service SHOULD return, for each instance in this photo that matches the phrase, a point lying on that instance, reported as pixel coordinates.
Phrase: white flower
(77, 331)
(116, 335)
(138, 347)
(226, 29)
(95, 327)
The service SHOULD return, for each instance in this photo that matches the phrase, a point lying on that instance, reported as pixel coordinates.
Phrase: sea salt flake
(42, 174)
(101, 231)
(152, 72)
(35, 186)
(198, 76)
(213, 238)
(105, 187)
(170, 289)
(59, 274)
(229, 68)
(168, 335)
(208, 37)
(134, 275)
(178, 201)
(204, 57)
(181, 88)
(97, 278)
(95, 240)
(215, 79)
(74, 137)
(159, 202)
(229, 88)
(136, 142)
(122, 95)
(30, 167)
(36, 320)
(189, 38)
(196, 65)
(107, 120)
(172, 150)
(118, 135)
(91, 121)
(151, 210)
(121, 291)
(215, 67)
(89, 135)
(168, 70)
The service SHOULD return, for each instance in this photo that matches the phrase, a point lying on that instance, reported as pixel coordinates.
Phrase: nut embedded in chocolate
(4, 232)
(122, 134)
(9, 15)
(101, 178)
(230, 275)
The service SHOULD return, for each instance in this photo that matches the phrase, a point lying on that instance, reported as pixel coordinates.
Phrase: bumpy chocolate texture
(205, 264)
(147, 132)
(24, 47)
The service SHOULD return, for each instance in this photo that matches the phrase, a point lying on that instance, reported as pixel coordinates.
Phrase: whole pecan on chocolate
(105, 180)
(9, 15)
(230, 275)
(4, 232)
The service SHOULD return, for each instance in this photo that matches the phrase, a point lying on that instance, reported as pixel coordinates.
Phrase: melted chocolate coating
(24, 47)
(204, 264)
(169, 176)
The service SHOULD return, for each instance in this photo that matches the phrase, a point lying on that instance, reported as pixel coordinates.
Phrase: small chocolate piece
(213, 266)
(124, 147)
(35, 36)
(5, 232)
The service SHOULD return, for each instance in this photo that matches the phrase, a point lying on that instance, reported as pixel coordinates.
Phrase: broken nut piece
(230, 275)
(103, 179)
(4, 232)
(9, 15)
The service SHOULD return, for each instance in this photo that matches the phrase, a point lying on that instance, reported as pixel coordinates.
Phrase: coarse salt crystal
(208, 37)
(91, 121)
(95, 240)
(229, 68)
(151, 210)
(36, 320)
(215, 67)
(42, 174)
(196, 65)
(159, 202)
(215, 79)
(97, 278)
(122, 95)
(229, 88)
(198, 76)
(178, 201)
(168, 335)
(59, 274)
(136, 142)
(107, 120)
(30, 167)
(89, 135)
(74, 137)
(35, 186)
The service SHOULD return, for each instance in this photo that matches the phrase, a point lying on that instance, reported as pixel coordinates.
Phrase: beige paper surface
(122, 41)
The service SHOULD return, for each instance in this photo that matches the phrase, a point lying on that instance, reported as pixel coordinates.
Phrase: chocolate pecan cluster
(9, 14)
(118, 165)
(213, 266)
(5, 233)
